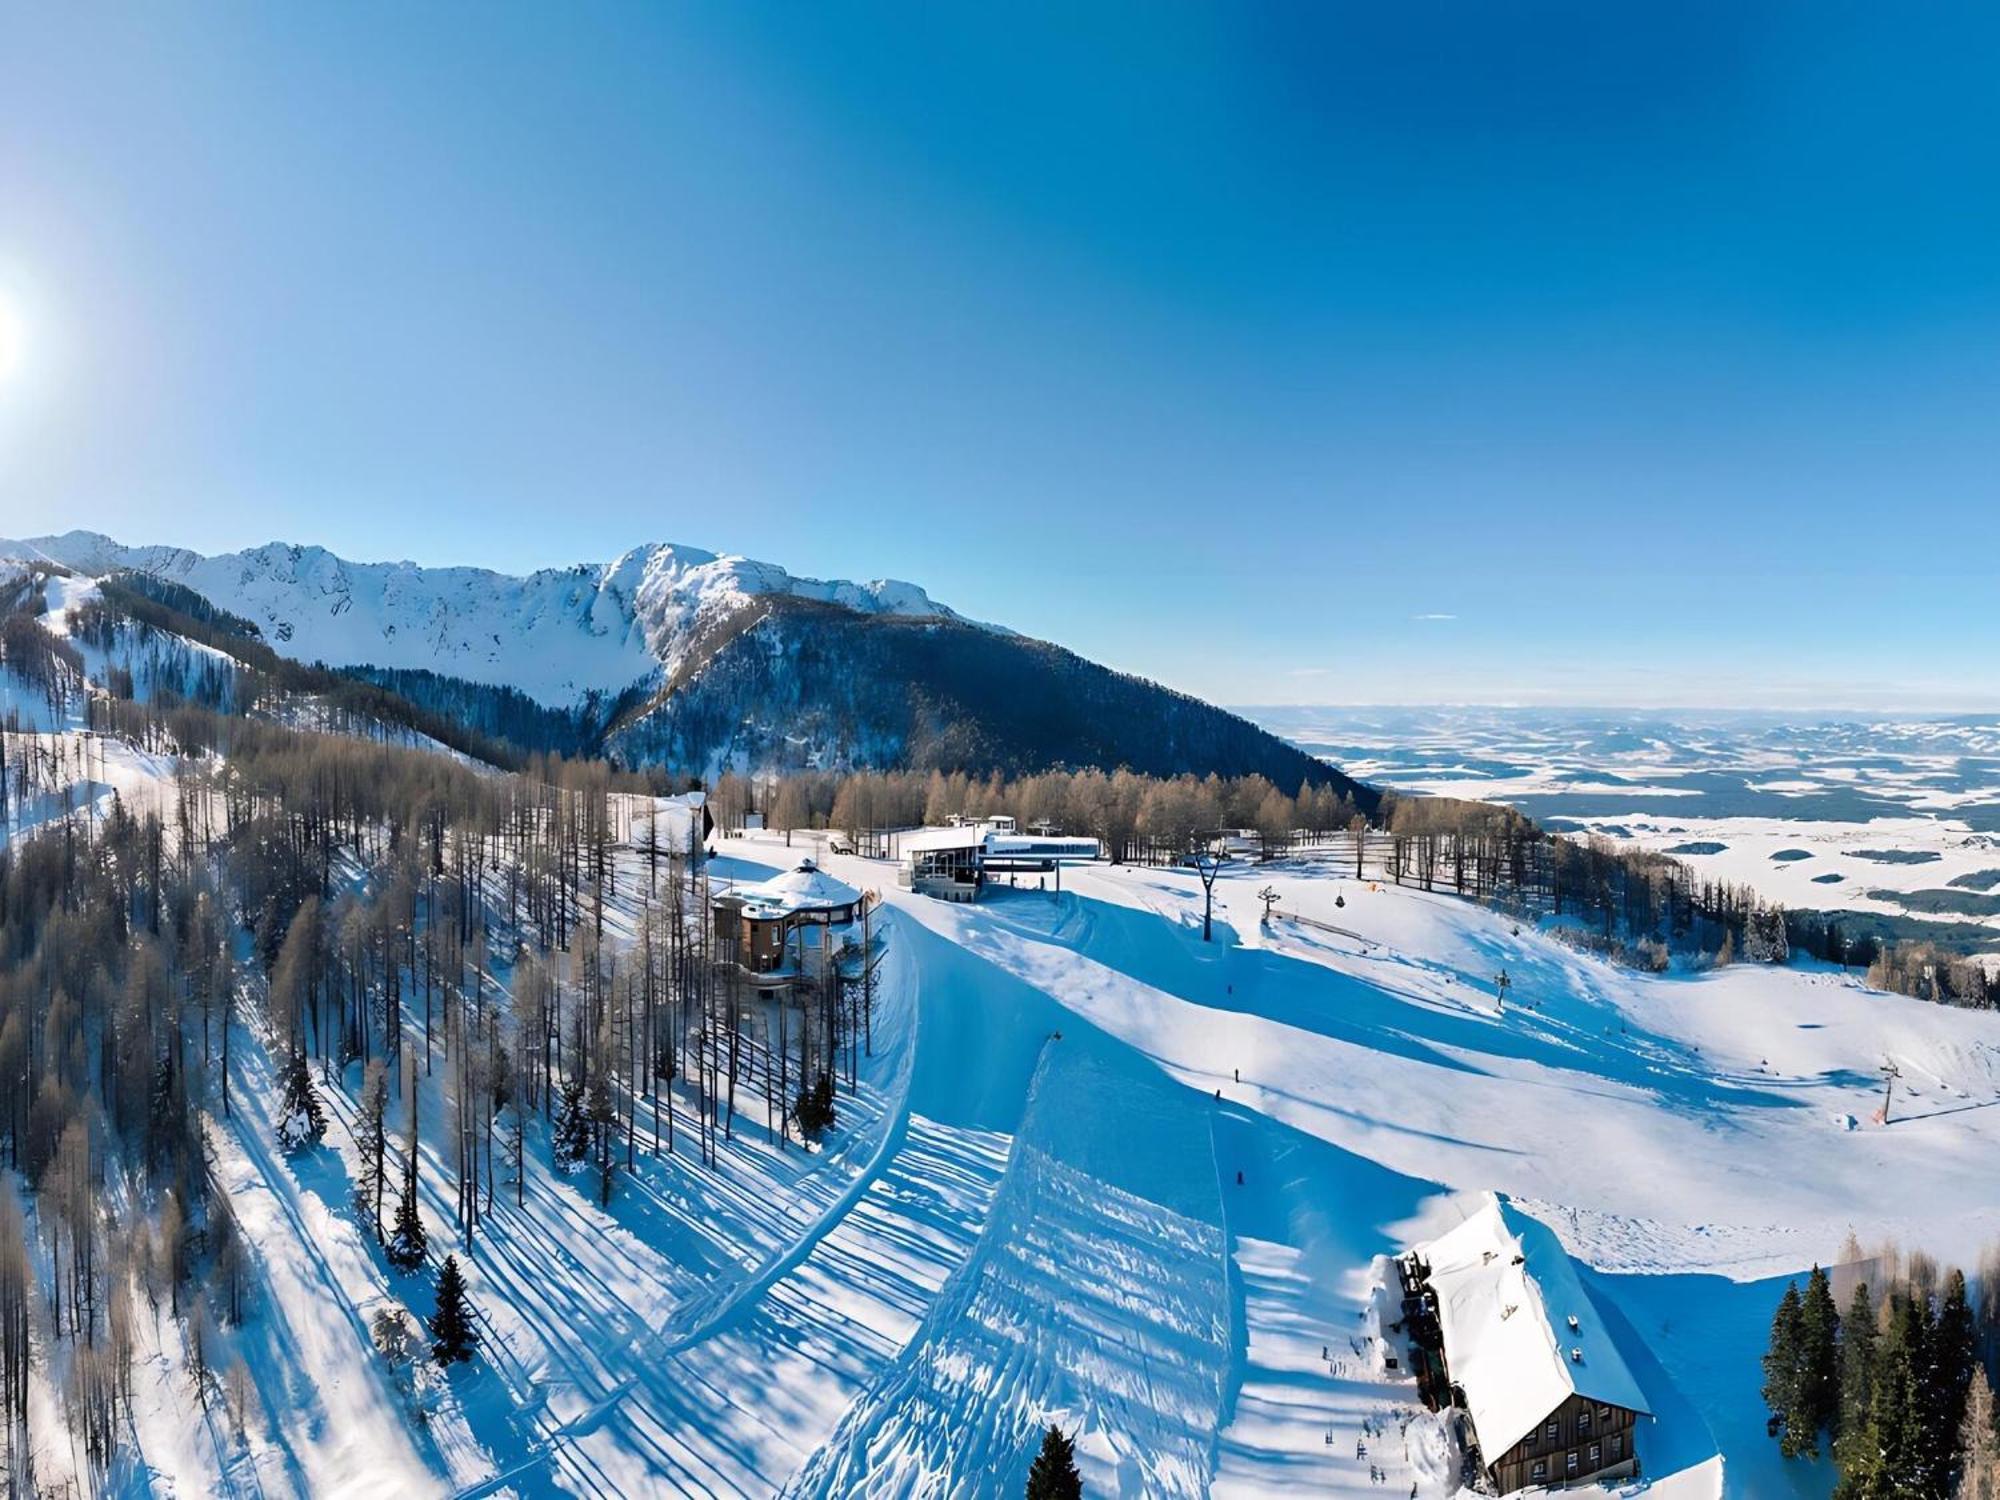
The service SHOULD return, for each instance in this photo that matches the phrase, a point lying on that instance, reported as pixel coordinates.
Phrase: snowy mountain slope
(700, 663)
(557, 634)
(1364, 1085)
(1102, 1173)
(1055, 1230)
(804, 685)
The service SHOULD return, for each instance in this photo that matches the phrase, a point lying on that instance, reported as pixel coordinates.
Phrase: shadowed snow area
(1101, 1173)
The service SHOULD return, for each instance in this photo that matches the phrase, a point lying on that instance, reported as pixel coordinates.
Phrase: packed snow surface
(1102, 1173)
(1055, 1228)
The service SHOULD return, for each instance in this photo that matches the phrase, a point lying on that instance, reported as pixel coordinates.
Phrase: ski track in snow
(1106, 1175)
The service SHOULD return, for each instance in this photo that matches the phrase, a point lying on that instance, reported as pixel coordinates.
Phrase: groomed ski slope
(1687, 1136)
(1032, 1212)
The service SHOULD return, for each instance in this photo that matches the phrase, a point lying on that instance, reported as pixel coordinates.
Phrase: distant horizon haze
(1683, 694)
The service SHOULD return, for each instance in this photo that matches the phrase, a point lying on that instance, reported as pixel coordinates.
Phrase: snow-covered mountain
(697, 662)
(556, 635)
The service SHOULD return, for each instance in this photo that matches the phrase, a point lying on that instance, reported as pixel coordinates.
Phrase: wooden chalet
(1501, 1325)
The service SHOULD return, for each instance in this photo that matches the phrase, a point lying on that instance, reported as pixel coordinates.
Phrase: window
(1541, 1471)
(1617, 1446)
(1583, 1422)
(1596, 1457)
(1549, 1433)
(1569, 1463)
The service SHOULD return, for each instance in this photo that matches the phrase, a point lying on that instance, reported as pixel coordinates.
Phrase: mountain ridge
(699, 662)
(602, 626)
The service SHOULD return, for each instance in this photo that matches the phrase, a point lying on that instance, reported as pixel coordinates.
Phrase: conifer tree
(1053, 1474)
(1781, 1364)
(572, 1139)
(375, 1134)
(301, 1119)
(602, 1119)
(407, 1243)
(1857, 1385)
(1816, 1392)
(1979, 1443)
(451, 1327)
(1897, 1466)
(1953, 1358)
(815, 1107)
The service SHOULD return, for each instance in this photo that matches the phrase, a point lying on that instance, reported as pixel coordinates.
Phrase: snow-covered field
(1043, 1217)
(1894, 816)
(1102, 1173)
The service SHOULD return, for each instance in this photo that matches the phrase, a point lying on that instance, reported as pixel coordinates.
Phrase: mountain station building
(955, 863)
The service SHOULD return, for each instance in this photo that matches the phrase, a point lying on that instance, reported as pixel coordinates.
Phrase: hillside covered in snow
(1092, 1170)
(693, 662)
(329, 1055)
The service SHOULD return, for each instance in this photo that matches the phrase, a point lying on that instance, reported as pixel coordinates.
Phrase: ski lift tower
(1890, 1073)
(1208, 864)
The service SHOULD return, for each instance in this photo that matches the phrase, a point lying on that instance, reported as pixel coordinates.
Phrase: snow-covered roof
(928, 840)
(1007, 845)
(1506, 1294)
(1047, 846)
(802, 889)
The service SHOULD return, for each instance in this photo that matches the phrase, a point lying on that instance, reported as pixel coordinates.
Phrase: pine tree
(407, 1242)
(1897, 1416)
(1953, 1357)
(572, 1139)
(1053, 1475)
(1816, 1393)
(1979, 1443)
(603, 1119)
(451, 1326)
(375, 1135)
(301, 1120)
(815, 1107)
(1853, 1445)
(1781, 1364)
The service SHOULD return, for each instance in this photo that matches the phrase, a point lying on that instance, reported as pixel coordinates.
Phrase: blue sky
(1540, 352)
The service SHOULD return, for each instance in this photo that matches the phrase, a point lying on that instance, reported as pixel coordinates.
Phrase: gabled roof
(802, 889)
(1506, 1293)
